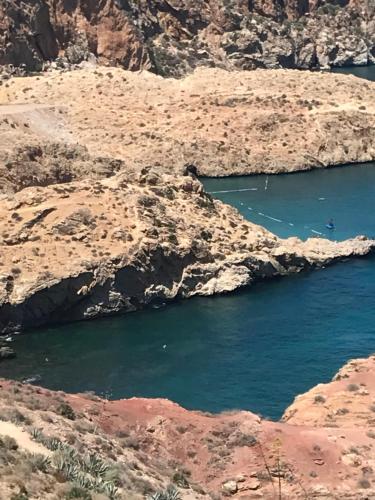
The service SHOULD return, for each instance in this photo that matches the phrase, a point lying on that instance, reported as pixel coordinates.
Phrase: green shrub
(9, 443)
(64, 409)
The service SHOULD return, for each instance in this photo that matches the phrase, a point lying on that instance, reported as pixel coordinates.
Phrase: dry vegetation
(222, 122)
(137, 448)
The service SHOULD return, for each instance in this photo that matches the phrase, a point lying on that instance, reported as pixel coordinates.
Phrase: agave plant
(84, 480)
(40, 462)
(52, 443)
(36, 434)
(68, 468)
(92, 464)
(169, 494)
(108, 488)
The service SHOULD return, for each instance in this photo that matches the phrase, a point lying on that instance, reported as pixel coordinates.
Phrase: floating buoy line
(233, 191)
(261, 214)
(291, 224)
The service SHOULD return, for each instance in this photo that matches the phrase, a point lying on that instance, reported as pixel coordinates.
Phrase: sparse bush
(319, 399)
(179, 478)
(241, 439)
(77, 492)
(132, 442)
(84, 427)
(15, 416)
(19, 496)
(364, 483)
(342, 411)
(352, 387)
(181, 429)
(9, 443)
(39, 462)
(64, 409)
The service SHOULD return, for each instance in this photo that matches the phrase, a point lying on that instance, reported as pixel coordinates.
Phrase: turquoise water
(303, 203)
(255, 349)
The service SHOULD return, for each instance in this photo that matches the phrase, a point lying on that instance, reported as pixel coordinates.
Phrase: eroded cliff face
(82, 250)
(323, 448)
(175, 36)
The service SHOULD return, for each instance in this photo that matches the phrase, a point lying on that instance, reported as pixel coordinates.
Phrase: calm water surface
(255, 349)
(367, 72)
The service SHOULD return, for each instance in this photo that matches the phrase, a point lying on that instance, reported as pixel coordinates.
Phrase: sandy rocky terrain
(96, 217)
(223, 123)
(86, 249)
(172, 37)
(51, 443)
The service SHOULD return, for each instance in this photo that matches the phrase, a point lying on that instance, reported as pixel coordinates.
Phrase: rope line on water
(291, 224)
(284, 222)
(233, 191)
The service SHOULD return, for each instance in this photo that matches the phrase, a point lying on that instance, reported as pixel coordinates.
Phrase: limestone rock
(174, 37)
(61, 261)
(230, 487)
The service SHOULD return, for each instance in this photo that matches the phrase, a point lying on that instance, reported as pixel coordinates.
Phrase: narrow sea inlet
(255, 349)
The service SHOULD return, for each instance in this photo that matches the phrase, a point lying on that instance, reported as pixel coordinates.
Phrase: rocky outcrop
(173, 37)
(322, 449)
(223, 123)
(51, 163)
(83, 250)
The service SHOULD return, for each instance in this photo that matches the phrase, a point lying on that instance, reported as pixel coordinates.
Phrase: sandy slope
(222, 122)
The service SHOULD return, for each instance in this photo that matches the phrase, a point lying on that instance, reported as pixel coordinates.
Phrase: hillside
(59, 446)
(223, 123)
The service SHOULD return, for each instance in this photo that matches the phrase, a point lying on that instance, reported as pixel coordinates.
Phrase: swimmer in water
(330, 225)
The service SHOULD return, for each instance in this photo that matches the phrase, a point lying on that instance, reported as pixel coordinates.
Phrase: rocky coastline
(89, 229)
(81, 250)
(102, 213)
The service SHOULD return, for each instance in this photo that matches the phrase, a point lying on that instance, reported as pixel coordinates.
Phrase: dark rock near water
(6, 353)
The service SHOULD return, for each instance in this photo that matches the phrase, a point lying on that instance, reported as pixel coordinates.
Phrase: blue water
(255, 349)
(303, 203)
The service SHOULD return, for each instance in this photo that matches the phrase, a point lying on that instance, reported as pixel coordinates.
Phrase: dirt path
(23, 439)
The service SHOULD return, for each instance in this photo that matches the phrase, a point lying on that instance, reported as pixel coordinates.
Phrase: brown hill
(224, 123)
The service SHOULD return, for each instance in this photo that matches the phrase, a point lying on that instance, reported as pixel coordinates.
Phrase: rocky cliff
(172, 37)
(53, 445)
(88, 229)
(86, 249)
